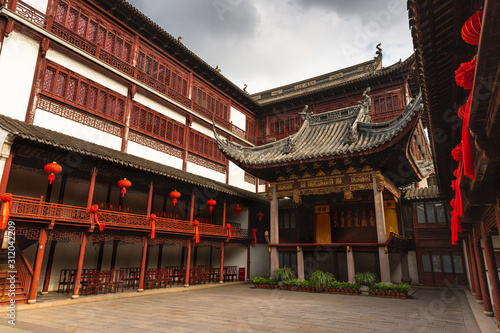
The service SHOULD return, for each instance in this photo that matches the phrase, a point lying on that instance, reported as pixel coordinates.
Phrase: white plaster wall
(412, 267)
(236, 256)
(241, 219)
(259, 260)
(92, 74)
(77, 130)
(205, 172)
(262, 188)
(17, 67)
(40, 5)
(159, 107)
(208, 131)
(395, 266)
(237, 178)
(153, 155)
(238, 118)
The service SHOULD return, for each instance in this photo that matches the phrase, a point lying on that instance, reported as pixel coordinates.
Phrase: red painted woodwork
(6, 172)
(143, 263)
(489, 256)
(38, 266)
(221, 275)
(48, 269)
(483, 282)
(205, 146)
(188, 264)
(90, 196)
(81, 255)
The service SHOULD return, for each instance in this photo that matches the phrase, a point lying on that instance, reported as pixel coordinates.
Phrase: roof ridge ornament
(304, 114)
(363, 116)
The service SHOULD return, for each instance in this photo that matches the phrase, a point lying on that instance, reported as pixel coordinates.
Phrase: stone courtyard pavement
(242, 308)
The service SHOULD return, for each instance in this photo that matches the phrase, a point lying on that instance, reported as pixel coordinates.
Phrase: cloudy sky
(269, 43)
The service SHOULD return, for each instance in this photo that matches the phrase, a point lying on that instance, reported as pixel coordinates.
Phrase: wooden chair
(168, 277)
(117, 280)
(64, 280)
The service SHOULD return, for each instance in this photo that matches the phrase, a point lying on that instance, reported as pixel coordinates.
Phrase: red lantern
(175, 195)
(211, 203)
(260, 215)
(52, 169)
(124, 184)
(238, 209)
(471, 30)
(457, 152)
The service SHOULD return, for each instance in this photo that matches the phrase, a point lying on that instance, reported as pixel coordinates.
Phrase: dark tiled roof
(338, 132)
(42, 135)
(431, 192)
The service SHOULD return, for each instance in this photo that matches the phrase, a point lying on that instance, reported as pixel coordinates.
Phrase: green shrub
(365, 278)
(320, 279)
(282, 274)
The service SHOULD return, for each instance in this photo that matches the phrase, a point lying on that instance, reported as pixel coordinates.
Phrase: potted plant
(282, 274)
(365, 280)
(404, 289)
(318, 279)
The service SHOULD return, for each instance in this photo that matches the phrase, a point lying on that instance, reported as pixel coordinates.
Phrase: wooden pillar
(38, 266)
(300, 263)
(483, 283)
(224, 207)
(7, 166)
(383, 256)
(48, 269)
(150, 199)
(351, 271)
(221, 275)
(81, 254)
(274, 231)
(475, 276)
(470, 264)
(143, 263)
(129, 104)
(160, 255)
(191, 211)
(90, 196)
(489, 256)
(62, 188)
(113, 254)
(37, 81)
(188, 264)
(99, 257)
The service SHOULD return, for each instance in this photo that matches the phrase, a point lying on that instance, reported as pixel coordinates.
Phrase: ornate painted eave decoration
(335, 134)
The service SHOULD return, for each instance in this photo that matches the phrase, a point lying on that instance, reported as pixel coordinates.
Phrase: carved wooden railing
(35, 208)
(24, 271)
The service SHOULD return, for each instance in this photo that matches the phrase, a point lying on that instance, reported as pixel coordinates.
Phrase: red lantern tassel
(254, 235)
(94, 210)
(174, 201)
(7, 205)
(457, 207)
(123, 191)
(228, 226)
(51, 178)
(196, 231)
(466, 144)
(153, 225)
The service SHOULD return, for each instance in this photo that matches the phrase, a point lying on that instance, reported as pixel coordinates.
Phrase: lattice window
(386, 104)
(205, 146)
(78, 91)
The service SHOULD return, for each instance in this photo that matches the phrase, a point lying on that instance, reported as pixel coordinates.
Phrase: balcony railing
(36, 209)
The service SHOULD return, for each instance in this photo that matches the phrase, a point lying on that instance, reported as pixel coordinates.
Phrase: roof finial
(245, 88)
(179, 39)
(379, 50)
(217, 69)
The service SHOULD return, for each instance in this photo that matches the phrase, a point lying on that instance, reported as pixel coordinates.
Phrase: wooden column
(475, 276)
(150, 199)
(224, 208)
(274, 231)
(6, 169)
(90, 196)
(38, 266)
(191, 211)
(483, 283)
(221, 275)
(143, 263)
(48, 269)
(188, 264)
(81, 254)
(300, 263)
(470, 264)
(383, 256)
(160, 255)
(99, 257)
(62, 188)
(489, 255)
(351, 271)
(37, 82)
(113, 254)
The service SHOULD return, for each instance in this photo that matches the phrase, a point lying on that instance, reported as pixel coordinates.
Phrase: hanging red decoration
(228, 226)
(196, 231)
(260, 215)
(152, 217)
(211, 203)
(7, 205)
(238, 209)
(464, 75)
(94, 209)
(457, 153)
(254, 235)
(471, 30)
(175, 195)
(466, 143)
(124, 184)
(461, 111)
(52, 169)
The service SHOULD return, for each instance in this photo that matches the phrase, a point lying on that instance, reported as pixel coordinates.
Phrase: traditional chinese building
(458, 60)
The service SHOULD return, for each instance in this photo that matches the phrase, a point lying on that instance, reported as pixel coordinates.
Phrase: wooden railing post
(188, 264)
(38, 266)
(90, 196)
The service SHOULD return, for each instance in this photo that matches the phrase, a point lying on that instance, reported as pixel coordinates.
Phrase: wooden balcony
(28, 209)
